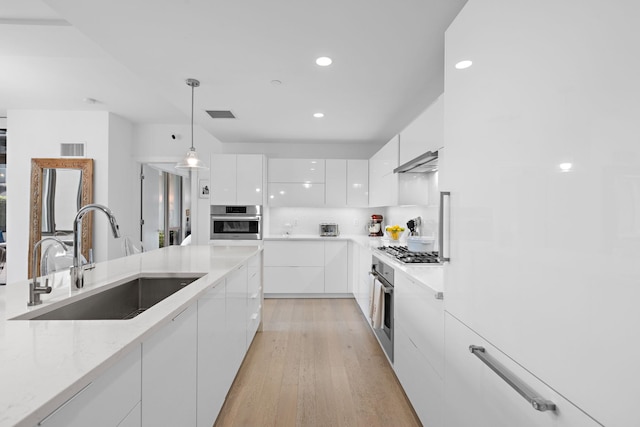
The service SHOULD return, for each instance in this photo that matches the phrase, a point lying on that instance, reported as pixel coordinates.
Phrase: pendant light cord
(192, 95)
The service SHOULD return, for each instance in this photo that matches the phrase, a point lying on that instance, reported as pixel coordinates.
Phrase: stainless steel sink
(121, 302)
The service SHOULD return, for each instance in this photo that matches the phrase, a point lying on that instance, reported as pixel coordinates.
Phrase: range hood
(427, 162)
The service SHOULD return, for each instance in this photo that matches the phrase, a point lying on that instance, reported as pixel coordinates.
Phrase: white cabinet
(419, 347)
(363, 283)
(425, 133)
(306, 267)
(336, 182)
(236, 179)
(169, 364)
(283, 194)
(358, 183)
(476, 395)
(297, 170)
(539, 163)
(110, 400)
(293, 280)
(214, 375)
(296, 182)
(336, 268)
(254, 296)
(383, 183)
(236, 316)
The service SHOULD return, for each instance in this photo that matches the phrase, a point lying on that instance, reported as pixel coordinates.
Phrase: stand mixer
(375, 226)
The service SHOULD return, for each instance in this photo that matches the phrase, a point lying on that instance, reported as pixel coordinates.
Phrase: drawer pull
(71, 399)
(538, 403)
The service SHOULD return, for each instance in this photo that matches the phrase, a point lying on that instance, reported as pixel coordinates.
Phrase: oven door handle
(235, 218)
(387, 289)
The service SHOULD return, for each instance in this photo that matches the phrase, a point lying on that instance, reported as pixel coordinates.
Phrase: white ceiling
(134, 56)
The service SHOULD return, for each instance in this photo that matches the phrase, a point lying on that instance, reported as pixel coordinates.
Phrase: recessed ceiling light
(276, 82)
(90, 101)
(324, 61)
(463, 64)
(565, 167)
(318, 115)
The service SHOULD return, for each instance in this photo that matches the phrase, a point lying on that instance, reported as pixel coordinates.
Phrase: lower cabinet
(476, 395)
(306, 267)
(419, 347)
(169, 365)
(214, 356)
(254, 296)
(236, 317)
(362, 280)
(113, 399)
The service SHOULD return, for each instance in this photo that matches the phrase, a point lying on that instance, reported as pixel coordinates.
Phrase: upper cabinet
(318, 182)
(296, 182)
(425, 133)
(358, 183)
(236, 179)
(383, 183)
(296, 170)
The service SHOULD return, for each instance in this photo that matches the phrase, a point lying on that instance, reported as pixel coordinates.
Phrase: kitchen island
(44, 364)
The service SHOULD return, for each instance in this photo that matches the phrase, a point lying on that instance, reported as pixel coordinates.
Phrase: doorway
(165, 203)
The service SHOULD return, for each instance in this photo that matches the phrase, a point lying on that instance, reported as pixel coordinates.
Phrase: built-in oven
(236, 222)
(383, 293)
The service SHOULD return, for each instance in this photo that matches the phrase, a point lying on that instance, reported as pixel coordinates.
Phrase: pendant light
(191, 160)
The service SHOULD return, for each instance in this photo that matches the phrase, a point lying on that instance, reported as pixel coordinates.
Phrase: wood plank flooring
(315, 364)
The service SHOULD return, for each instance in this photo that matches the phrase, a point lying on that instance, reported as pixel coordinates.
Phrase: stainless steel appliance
(383, 273)
(405, 256)
(236, 222)
(329, 230)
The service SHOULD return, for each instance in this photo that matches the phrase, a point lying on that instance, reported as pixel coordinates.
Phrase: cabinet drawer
(293, 280)
(476, 395)
(421, 383)
(106, 401)
(295, 254)
(421, 315)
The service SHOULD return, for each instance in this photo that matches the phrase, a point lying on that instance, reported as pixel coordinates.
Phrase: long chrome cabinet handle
(538, 403)
(444, 256)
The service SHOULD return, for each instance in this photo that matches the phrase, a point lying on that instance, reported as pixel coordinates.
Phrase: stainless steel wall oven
(236, 222)
(383, 273)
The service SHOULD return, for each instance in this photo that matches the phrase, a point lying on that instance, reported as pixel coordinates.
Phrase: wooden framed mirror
(59, 188)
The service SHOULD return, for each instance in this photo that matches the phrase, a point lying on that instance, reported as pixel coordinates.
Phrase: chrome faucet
(77, 270)
(34, 289)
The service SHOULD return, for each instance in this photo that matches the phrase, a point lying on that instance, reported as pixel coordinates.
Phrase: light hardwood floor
(315, 364)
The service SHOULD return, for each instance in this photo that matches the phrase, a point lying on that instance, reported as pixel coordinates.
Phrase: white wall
(123, 187)
(154, 144)
(37, 134)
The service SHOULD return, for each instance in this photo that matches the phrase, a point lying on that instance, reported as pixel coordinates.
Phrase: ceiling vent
(221, 114)
(72, 149)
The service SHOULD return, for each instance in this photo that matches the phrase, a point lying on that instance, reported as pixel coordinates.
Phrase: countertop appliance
(375, 226)
(329, 230)
(405, 256)
(383, 273)
(236, 222)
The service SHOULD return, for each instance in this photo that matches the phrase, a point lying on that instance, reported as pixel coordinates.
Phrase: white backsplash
(351, 221)
(305, 221)
(401, 214)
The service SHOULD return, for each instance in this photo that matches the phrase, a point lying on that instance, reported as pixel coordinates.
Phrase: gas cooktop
(402, 254)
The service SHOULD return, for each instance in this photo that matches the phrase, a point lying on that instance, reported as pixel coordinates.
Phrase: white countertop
(44, 363)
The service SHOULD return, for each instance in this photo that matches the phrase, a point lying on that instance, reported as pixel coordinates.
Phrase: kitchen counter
(428, 274)
(44, 363)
